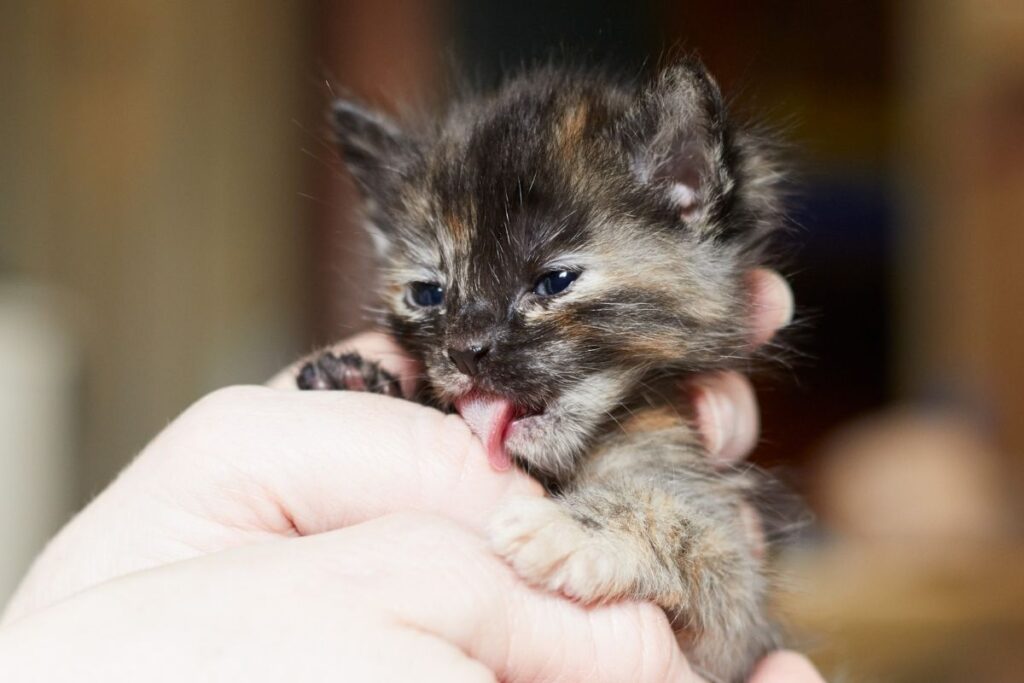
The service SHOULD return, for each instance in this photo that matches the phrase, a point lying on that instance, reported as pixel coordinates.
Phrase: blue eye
(555, 282)
(426, 294)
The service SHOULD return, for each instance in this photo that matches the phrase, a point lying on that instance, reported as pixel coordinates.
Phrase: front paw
(551, 549)
(348, 371)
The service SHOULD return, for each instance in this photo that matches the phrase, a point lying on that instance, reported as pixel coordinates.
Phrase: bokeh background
(173, 219)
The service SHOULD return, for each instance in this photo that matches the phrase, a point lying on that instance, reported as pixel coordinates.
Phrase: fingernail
(716, 418)
(772, 304)
(755, 530)
(782, 294)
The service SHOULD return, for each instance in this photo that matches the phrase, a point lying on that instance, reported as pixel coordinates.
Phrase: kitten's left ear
(370, 143)
(377, 153)
(678, 130)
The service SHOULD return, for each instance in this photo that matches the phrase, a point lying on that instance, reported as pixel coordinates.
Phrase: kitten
(559, 254)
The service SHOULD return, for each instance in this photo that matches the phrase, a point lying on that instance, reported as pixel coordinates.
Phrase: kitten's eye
(425, 294)
(555, 282)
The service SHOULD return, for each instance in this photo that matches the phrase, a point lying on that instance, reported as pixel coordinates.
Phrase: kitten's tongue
(489, 417)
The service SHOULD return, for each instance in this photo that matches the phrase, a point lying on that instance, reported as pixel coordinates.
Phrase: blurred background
(173, 219)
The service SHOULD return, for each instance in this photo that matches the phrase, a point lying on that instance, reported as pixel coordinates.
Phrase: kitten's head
(547, 248)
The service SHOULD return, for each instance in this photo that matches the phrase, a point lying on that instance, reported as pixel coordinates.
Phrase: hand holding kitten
(189, 564)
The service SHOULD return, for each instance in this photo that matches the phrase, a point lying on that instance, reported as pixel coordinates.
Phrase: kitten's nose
(467, 359)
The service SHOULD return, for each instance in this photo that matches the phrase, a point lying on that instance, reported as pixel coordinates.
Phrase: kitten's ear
(678, 130)
(377, 153)
(375, 150)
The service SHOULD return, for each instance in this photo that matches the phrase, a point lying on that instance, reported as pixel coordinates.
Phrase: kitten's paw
(550, 549)
(348, 371)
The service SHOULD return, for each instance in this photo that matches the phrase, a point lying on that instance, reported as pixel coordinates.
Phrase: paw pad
(347, 371)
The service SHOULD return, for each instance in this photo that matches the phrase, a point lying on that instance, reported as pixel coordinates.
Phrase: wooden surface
(906, 614)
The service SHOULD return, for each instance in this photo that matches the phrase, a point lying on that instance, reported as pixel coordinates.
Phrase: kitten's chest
(647, 436)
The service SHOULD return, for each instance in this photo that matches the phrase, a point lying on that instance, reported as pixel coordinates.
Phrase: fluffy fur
(660, 204)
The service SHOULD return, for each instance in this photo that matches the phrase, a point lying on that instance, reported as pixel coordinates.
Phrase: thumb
(326, 460)
(245, 464)
(441, 580)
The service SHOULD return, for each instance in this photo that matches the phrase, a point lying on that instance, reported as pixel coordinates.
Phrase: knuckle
(450, 439)
(654, 646)
(226, 400)
(456, 438)
(633, 642)
(208, 418)
(733, 384)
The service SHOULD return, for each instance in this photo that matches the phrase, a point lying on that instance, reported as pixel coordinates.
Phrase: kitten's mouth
(492, 417)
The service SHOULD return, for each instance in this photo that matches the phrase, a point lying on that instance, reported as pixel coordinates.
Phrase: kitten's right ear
(679, 128)
(375, 149)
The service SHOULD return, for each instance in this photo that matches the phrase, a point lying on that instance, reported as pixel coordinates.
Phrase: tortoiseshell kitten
(557, 254)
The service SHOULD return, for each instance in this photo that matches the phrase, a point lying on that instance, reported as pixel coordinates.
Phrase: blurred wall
(152, 173)
(386, 53)
(961, 152)
(38, 417)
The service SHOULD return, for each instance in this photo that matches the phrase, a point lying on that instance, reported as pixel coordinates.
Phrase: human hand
(247, 465)
(399, 598)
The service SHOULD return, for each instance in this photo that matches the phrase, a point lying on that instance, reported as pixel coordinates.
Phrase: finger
(460, 592)
(246, 464)
(259, 613)
(350, 456)
(724, 403)
(786, 667)
(395, 599)
(771, 304)
(375, 346)
(425, 658)
(727, 416)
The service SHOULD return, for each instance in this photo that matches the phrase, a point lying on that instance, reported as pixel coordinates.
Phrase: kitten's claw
(347, 371)
(550, 549)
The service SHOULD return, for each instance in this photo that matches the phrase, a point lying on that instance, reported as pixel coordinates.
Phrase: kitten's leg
(348, 371)
(649, 520)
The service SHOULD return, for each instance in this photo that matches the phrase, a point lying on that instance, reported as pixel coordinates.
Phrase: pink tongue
(488, 417)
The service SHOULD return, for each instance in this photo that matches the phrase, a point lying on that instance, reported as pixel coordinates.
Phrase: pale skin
(270, 535)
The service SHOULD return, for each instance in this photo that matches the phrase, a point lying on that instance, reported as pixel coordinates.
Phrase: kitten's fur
(661, 204)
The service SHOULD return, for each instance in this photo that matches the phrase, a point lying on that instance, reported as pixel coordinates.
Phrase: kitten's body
(644, 208)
